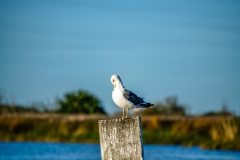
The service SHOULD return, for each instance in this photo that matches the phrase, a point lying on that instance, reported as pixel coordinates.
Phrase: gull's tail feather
(146, 105)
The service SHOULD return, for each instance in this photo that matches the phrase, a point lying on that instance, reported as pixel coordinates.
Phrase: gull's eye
(113, 80)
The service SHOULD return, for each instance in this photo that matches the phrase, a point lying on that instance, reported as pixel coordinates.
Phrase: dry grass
(225, 131)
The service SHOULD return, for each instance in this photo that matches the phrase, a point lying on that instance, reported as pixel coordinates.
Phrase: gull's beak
(114, 85)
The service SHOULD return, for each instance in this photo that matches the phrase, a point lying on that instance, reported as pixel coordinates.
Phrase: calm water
(69, 151)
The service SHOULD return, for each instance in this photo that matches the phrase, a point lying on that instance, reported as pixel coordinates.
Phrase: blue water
(70, 151)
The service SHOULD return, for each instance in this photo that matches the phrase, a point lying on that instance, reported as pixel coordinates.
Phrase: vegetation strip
(216, 132)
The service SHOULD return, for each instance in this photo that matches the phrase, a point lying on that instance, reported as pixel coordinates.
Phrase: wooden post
(121, 139)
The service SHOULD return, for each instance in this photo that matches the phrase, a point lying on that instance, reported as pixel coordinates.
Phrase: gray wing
(132, 97)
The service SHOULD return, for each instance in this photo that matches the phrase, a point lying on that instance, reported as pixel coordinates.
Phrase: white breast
(120, 101)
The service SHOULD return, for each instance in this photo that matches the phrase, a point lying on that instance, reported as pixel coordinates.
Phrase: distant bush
(5, 108)
(223, 112)
(169, 107)
(80, 102)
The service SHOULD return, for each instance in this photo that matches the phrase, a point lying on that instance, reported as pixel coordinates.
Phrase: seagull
(126, 99)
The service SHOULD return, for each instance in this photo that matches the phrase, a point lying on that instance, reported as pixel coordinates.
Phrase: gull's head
(116, 80)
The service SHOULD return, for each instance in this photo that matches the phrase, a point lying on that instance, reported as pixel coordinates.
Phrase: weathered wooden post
(121, 139)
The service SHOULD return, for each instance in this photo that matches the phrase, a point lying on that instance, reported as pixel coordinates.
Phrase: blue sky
(188, 49)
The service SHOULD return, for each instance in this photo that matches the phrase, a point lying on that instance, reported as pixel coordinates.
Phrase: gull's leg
(126, 113)
(123, 114)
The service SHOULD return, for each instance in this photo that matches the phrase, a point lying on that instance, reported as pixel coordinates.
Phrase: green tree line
(87, 103)
(73, 102)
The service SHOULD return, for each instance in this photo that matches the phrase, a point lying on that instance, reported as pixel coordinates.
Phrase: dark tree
(80, 102)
